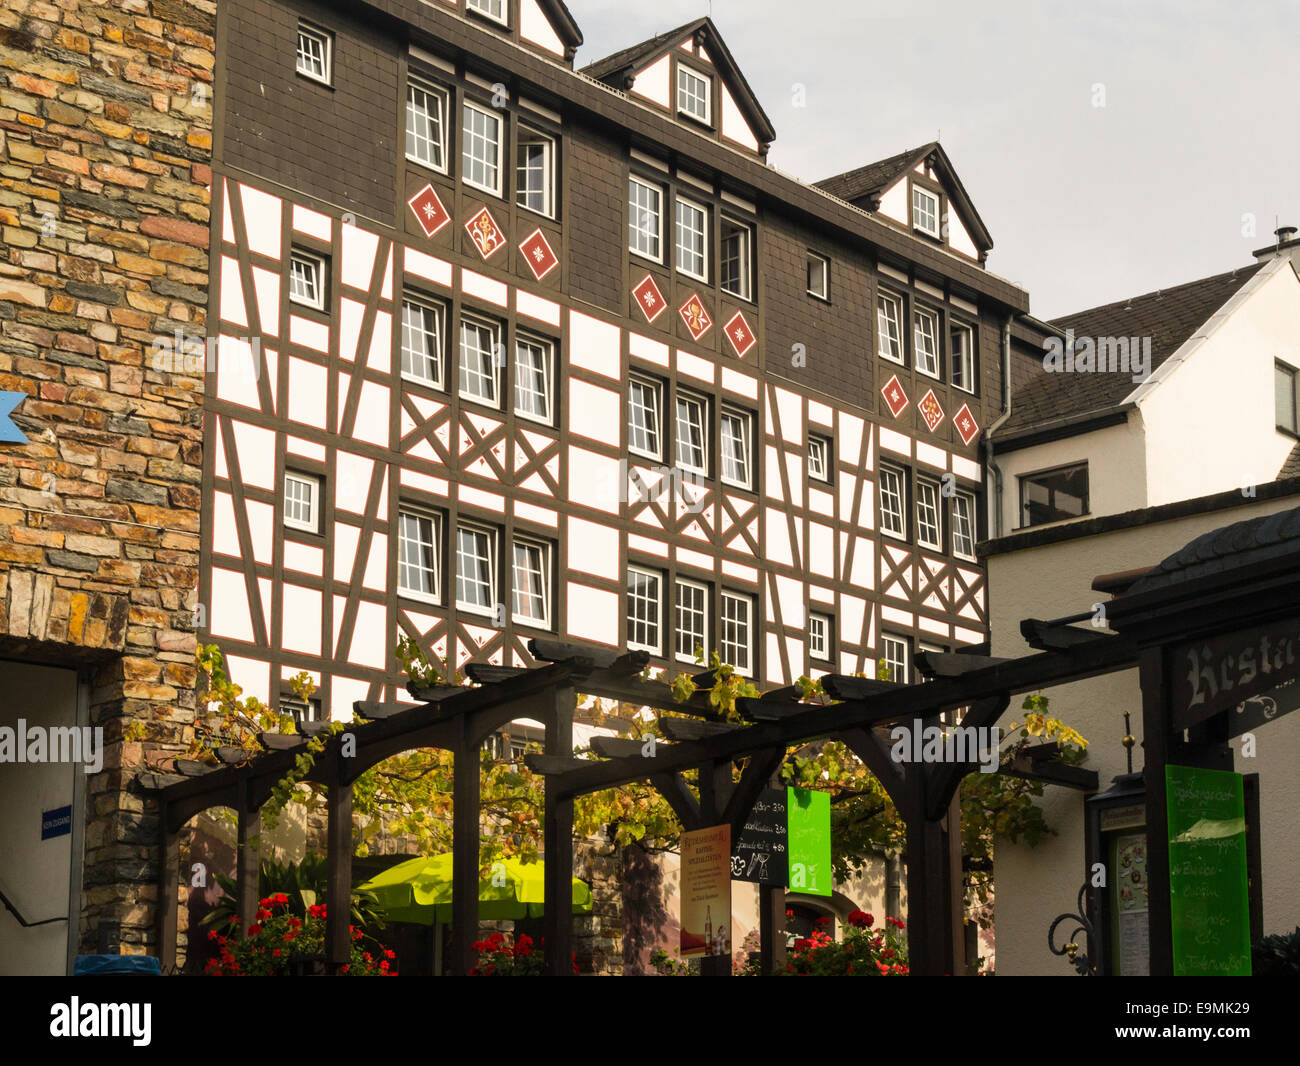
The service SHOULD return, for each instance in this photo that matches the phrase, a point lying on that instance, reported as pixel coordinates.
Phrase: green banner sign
(1208, 895)
(808, 816)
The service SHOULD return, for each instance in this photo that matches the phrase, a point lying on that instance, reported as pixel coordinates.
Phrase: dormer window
(925, 211)
(693, 95)
(493, 9)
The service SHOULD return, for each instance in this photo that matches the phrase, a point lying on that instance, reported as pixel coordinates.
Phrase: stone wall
(105, 152)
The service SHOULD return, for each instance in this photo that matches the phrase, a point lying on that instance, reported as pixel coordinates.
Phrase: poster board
(706, 892)
(760, 853)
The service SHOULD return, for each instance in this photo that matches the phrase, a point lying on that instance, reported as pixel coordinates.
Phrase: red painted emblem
(695, 316)
(895, 398)
(930, 410)
(966, 424)
(649, 298)
(485, 233)
(537, 251)
(428, 211)
(740, 335)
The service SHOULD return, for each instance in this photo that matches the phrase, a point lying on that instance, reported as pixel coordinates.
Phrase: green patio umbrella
(419, 890)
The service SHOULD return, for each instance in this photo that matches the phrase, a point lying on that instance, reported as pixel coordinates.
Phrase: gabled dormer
(689, 73)
(544, 26)
(919, 191)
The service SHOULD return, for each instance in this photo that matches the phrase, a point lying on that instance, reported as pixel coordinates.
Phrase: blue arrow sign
(9, 433)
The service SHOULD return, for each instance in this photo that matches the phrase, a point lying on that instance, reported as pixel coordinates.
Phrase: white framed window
(644, 610)
(692, 239)
(314, 53)
(496, 10)
(476, 566)
(643, 418)
(645, 219)
(423, 324)
(1284, 397)
(736, 436)
(307, 279)
(535, 172)
(819, 637)
(736, 642)
(925, 211)
(694, 94)
(892, 516)
(962, 357)
(692, 619)
(819, 458)
(692, 433)
(819, 276)
(929, 533)
(302, 502)
(925, 339)
(963, 525)
(534, 360)
(896, 655)
(481, 155)
(889, 327)
(419, 556)
(298, 709)
(426, 125)
(737, 264)
(477, 377)
(532, 583)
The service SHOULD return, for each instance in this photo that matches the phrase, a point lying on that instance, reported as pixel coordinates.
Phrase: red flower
(860, 920)
(280, 897)
(896, 923)
(496, 938)
(822, 921)
(276, 952)
(212, 935)
(345, 969)
(389, 953)
(254, 929)
(802, 945)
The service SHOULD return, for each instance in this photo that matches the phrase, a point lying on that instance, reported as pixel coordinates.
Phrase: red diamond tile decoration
(485, 233)
(428, 210)
(966, 424)
(895, 398)
(537, 251)
(695, 316)
(930, 410)
(649, 298)
(740, 335)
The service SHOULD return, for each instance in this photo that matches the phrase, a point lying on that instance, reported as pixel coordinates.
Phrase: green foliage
(1277, 955)
(303, 884)
(863, 951)
(666, 965)
(282, 944)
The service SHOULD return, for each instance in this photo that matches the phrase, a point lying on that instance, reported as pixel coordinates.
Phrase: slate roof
(1290, 468)
(626, 58)
(874, 178)
(563, 22)
(1169, 317)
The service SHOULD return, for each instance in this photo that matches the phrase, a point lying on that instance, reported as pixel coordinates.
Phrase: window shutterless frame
(427, 107)
(644, 610)
(307, 274)
(535, 171)
(895, 653)
(692, 433)
(1286, 398)
(534, 378)
(961, 341)
(315, 54)
(481, 149)
(819, 458)
(819, 276)
(694, 94)
(531, 582)
(645, 219)
(889, 327)
(692, 229)
(476, 569)
(302, 503)
(963, 525)
(929, 532)
(819, 637)
(925, 341)
(423, 328)
(737, 434)
(496, 10)
(925, 211)
(692, 615)
(893, 510)
(478, 378)
(737, 258)
(1047, 496)
(644, 420)
(419, 555)
(736, 632)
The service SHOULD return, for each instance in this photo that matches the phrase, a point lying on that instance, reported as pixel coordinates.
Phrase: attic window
(925, 211)
(493, 9)
(693, 92)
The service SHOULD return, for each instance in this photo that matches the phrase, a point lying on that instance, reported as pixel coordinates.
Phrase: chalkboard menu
(760, 852)
(1208, 897)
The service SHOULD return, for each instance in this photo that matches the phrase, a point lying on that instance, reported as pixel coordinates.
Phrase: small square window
(481, 159)
(819, 458)
(819, 637)
(737, 632)
(422, 344)
(644, 610)
(693, 94)
(892, 513)
(534, 363)
(299, 709)
(896, 656)
(302, 502)
(419, 556)
(819, 276)
(692, 239)
(479, 341)
(643, 418)
(925, 211)
(494, 9)
(307, 279)
(925, 339)
(692, 434)
(929, 534)
(314, 53)
(962, 352)
(1054, 495)
(645, 219)
(692, 619)
(737, 258)
(889, 327)
(737, 434)
(426, 125)
(535, 172)
(476, 570)
(532, 583)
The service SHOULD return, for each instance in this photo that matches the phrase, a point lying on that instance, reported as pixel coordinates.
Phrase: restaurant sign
(1215, 675)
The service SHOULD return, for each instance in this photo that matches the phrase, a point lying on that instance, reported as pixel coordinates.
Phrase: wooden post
(929, 915)
(338, 888)
(956, 886)
(465, 853)
(771, 928)
(1155, 747)
(557, 842)
(167, 892)
(248, 862)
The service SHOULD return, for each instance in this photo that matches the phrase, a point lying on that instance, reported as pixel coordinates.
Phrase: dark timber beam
(465, 853)
(248, 861)
(557, 843)
(167, 893)
(338, 886)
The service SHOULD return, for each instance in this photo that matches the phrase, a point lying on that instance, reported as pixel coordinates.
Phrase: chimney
(1287, 246)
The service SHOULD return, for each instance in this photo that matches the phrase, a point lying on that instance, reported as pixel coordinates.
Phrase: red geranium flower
(254, 929)
(822, 921)
(860, 919)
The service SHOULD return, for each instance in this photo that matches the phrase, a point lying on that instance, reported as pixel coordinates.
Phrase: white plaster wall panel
(287, 673)
(271, 368)
(651, 351)
(778, 538)
(344, 692)
(381, 343)
(822, 415)
(261, 530)
(647, 545)
(266, 288)
(261, 221)
(232, 293)
(968, 612)
(821, 550)
(933, 625)
(931, 456)
(818, 594)
(252, 675)
(790, 407)
(794, 471)
(225, 534)
(352, 483)
(819, 502)
(541, 515)
(698, 560)
(850, 443)
(376, 577)
(867, 505)
(480, 635)
(372, 414)
(740, 571)
(300, 620)
(848, 484)
(791, 595)
(485, 288)
(359, 248)
(963, 467)
(220, 451)
(967, 636)
(959, 238)
(304, 558)
(863, 573)
(255, 449)
(535, 27)
(308, 392)
(428, 267)
(595, 413)
(740, 384)
(489, 501)
(853, 611)
(652, 83)
(593, 480)
(926, 287)
(897, 617)
(772, 479)
(593, 615)
(695, 367)
(235, 381)
(369, 636)
(896, 442)
(230, 616)
(593, 548)
(893, 204)
(797, 655)
(772, 660)
(313, 223)
(422, 623)
(695, 531)
(734, 126)
(314, 335)
(595, 345)
(386, 286)
(434, 486)
(537, 308)
(227, 219)
(351, 313)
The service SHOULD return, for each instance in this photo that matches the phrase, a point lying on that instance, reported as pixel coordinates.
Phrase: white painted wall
(1034, 885)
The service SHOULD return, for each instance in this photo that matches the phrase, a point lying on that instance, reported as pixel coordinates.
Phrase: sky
(1111, 148)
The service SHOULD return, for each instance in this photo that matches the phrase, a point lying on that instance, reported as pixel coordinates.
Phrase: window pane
(895, 656)
(734, 643)
(891, 502)
(422, 342)
(534, 172)
(817, 279)
(311, 54)
(532, 379)
(643, 219)
(643, 417)
(736, 259)
(482, 149)
(735, 448)
(692, 620)
(1054, 495)
(1286, 410)
(416, 556)
(890, 345)
(304, 280)
(927, 514)
(692, 94)
(926, 341)
(530, 582)
(818, 450)
(819, 636)
(473, 569)
(424, 125)
(478, 378)
(963, 526)
(643, 610)
(963, 359)
(690, 239)
(690, 433)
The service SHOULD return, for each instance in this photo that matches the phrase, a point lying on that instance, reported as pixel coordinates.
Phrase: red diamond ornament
(695, 316)
(966, 424)
(930, 410)
(649, 298)
(740, 335)
(895, 398)
(537, 251)
(428, 211)
(485, 233)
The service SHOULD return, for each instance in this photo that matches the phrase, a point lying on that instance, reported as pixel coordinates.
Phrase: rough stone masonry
(105, 152)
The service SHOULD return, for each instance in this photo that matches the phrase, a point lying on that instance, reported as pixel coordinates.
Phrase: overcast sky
(1086, 204)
